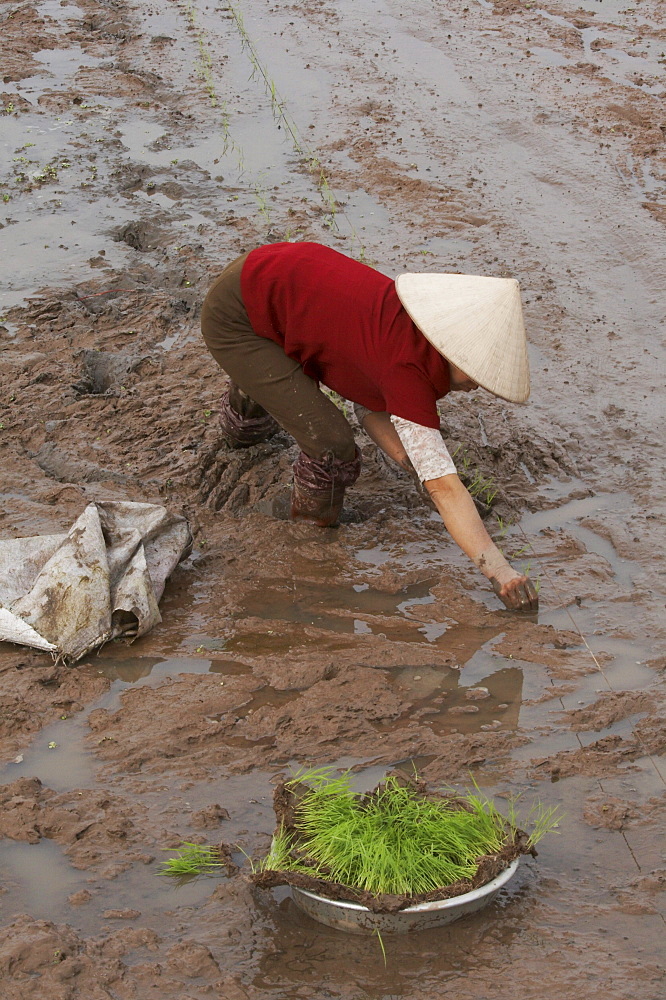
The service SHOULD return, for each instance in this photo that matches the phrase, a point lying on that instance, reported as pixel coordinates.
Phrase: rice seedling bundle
(398, 841)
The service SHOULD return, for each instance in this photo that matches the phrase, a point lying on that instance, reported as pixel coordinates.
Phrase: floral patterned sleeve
(425, 448)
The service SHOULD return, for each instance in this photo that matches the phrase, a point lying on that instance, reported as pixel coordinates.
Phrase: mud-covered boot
(243, 421)
(319, 487)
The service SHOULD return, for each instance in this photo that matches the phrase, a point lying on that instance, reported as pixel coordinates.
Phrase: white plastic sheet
(70, 593)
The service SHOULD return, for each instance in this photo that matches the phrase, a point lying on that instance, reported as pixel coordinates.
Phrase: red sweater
(344, 323)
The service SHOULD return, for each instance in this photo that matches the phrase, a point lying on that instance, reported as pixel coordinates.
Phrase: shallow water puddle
(606, 622)
(61, 64)
(309, 602)
(39, 878)
(569, 515)
(333, 607)
(623, 674)
(59, 755)
(462, 641)
(414, 555)
(612, 55)
(439, 701)
(135, 669)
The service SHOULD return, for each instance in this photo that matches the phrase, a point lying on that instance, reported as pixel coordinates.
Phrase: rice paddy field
(144, 146)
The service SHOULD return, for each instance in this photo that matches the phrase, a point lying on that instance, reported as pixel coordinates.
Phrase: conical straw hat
(474, 322)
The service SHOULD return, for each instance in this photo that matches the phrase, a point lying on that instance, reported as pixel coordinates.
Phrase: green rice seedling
(204, 69)
(477, 484)
(381, 944)
(393, 841)
(312, 776)
(339, 401)
(278, 858)
(282, 856)
(260, 198)
(541, 819)
(191, 859)
(545, 821)
(491, 492)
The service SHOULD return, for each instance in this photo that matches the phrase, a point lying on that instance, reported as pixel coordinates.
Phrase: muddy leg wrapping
(243, 421)
(319, 487)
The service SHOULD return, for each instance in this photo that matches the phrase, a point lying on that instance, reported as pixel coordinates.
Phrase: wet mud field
(144, 146)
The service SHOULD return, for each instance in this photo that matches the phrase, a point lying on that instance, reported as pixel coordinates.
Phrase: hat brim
(476, 323)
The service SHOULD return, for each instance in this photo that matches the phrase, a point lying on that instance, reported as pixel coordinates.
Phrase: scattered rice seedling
(191, 859)
(479, 486)
(503, 527)
(204, 64)
(284, 119)
(204, 69)
(339, 401)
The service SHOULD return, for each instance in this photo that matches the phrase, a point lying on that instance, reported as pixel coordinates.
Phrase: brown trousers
(262, 370)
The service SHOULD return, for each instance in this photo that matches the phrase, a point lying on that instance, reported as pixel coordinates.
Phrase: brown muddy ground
(144, 146)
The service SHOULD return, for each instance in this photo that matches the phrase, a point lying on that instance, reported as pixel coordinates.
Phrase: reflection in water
(439, 701)
(269, 642)
(338, 609)
(138, 668)
(317, 604)
(129, 670)
(304, 955)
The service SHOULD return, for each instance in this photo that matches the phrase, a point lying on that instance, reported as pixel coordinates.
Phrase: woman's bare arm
(460, 516)
(462, 521)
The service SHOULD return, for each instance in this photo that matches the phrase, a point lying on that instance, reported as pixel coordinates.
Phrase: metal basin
(360, 920)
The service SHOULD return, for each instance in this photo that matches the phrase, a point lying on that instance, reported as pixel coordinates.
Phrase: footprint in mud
(64, 468)
(140, 235)
(230, 479)
(102, 372)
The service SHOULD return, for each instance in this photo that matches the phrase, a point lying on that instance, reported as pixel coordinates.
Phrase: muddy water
(143, 148)
(293, 954)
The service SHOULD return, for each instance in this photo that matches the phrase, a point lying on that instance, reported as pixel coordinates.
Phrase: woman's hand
(463, 523)
(516, 592)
